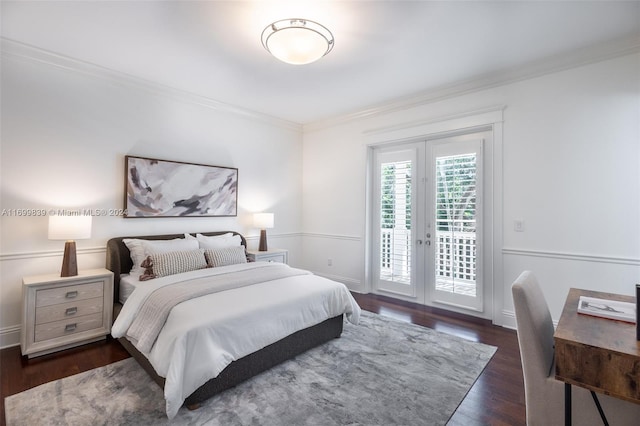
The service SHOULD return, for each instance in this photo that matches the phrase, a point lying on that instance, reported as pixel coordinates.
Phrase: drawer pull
(71, 311)
(71, 294)
(70, 327)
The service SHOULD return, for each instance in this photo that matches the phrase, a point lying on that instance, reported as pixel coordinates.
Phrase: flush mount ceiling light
(297, 41)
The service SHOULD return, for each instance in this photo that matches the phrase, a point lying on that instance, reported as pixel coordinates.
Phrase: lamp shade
(263, 220)
(70, 227)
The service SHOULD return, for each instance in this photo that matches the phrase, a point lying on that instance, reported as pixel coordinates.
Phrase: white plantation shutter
(456, 216)
(395, 220)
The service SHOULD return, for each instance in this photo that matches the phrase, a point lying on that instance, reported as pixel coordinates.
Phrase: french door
(427, 221)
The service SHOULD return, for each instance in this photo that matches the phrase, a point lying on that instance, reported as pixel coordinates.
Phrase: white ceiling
(384, 50)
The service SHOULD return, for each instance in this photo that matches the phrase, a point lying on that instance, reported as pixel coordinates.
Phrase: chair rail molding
(579, 257)
(331, 236)
(48, 253)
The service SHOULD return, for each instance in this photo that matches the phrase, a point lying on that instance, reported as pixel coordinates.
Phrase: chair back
(535, 330)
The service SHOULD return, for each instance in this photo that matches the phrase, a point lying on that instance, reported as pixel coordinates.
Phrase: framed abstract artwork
(161, 188)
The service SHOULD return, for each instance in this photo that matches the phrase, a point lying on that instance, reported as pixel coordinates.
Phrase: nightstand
(60, 313)
(272, 255)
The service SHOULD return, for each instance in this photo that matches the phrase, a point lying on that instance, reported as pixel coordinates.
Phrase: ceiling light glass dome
(297, 41)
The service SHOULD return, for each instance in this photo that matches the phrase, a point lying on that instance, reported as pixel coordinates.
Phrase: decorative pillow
(148, 273)
(173, 262)
(225, 256)
(140, 249)
(219, 241)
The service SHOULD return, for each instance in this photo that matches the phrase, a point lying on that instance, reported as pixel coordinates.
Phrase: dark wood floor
(497, 397)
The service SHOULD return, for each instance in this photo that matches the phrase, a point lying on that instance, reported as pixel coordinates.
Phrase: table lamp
(263, 221)
(69, 228)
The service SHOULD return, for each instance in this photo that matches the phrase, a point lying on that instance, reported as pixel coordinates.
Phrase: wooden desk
(599, 354)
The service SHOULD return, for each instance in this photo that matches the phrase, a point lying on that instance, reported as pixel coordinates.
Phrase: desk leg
(567, 404)
(605, 422)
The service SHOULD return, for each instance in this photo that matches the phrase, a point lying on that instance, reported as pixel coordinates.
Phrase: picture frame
(157, 188)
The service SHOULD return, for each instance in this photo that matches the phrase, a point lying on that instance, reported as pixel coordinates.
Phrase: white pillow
(140, 249)
(219, 241)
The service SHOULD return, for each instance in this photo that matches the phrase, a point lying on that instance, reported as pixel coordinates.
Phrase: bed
(188, 372)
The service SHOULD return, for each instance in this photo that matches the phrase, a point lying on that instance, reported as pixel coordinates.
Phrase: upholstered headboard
(119, 258)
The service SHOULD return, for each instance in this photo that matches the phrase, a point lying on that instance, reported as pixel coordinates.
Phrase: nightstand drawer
(273, 255)
(65, 294)
(69, 310)
(55, 329)
(273, 258)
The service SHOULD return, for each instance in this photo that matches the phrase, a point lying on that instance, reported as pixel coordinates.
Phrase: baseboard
(351, 283)
(509, 320)
(10, 336)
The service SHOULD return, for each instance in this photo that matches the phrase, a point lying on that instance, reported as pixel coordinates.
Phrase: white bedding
(128, 283)
(204, 335)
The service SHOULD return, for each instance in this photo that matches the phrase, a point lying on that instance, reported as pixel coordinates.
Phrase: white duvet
(203, 335)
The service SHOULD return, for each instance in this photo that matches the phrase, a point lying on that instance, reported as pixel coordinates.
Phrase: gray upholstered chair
(544, 395)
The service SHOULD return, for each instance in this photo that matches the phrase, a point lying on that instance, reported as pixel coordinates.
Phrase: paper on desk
(611, 309)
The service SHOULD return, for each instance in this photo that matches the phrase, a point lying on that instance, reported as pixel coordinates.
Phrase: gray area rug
(381, 372)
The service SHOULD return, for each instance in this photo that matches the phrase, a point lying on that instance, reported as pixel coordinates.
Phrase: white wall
(571, 150)
(571, 171)
(65, 132)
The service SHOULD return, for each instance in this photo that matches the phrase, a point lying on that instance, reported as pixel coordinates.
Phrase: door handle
(419, 242)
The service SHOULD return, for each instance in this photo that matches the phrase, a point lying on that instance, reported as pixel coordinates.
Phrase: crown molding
(580, 57)
(18, 50)
(577, 58)
(436, 127)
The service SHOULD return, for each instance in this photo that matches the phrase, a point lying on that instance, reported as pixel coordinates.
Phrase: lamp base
(263, 240)
(69, 261)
